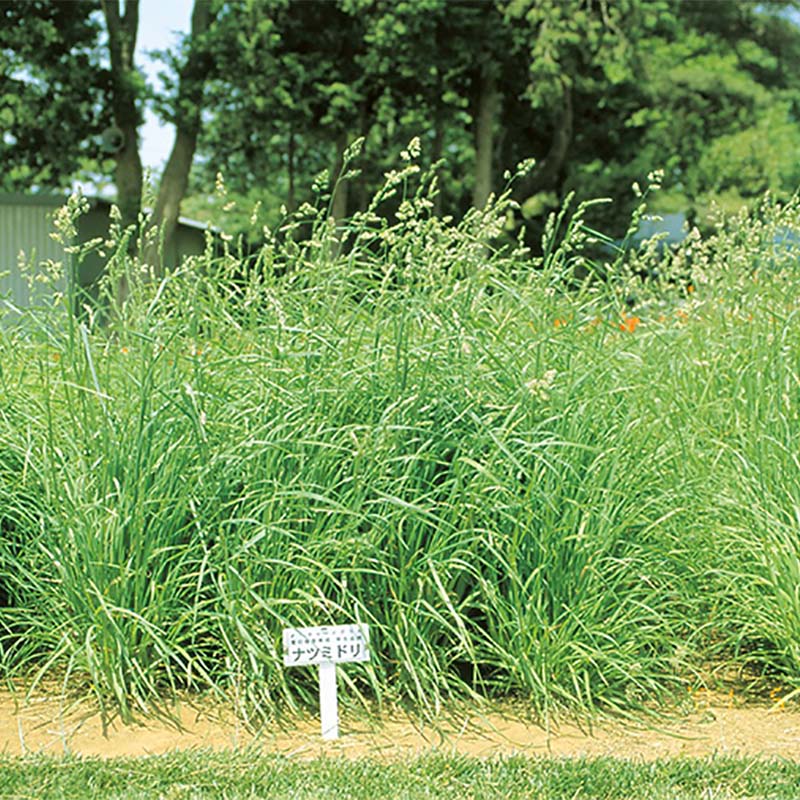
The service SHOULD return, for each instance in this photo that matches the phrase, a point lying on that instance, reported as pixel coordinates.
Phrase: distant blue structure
(674, 225)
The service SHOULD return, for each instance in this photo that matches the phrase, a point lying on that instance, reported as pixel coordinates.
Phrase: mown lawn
(201, 775)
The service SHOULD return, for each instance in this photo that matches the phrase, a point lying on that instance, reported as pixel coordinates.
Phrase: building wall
(26, 222)
(25, 227)
(190, 240)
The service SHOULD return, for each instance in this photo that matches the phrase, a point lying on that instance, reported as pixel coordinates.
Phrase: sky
(160, 24)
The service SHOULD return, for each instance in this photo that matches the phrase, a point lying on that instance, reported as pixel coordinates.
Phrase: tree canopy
(271, 92)
(53, 92)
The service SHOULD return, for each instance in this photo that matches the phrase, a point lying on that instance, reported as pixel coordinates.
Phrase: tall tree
(287, 95)
(704, 91)
(599, 92)
(328, 72)
(57, 97)
(192, 75)
(717, 103)
(122, 21)
(574, 48)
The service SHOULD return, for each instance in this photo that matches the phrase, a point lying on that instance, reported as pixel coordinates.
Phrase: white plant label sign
(326, 646)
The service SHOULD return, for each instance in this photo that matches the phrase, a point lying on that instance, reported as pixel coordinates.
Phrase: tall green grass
(525, 488)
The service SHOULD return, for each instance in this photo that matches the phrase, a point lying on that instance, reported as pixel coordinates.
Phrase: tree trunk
(436, 153)
(122, 29)
(545, 174)
(172, 189)
(358, 194)
(340, 188)
(290, 199)
(175, 180)
(488, 106)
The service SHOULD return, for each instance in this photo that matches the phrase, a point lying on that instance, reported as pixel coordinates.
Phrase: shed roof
(58, 200)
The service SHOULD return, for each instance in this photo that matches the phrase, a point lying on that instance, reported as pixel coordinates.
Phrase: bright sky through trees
(161, 23)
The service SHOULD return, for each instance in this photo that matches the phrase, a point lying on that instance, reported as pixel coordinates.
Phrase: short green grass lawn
(202, 774)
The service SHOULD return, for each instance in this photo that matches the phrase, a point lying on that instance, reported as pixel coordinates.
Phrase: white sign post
(327, 646)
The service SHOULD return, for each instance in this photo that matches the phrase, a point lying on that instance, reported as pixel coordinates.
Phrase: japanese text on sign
(326, 644)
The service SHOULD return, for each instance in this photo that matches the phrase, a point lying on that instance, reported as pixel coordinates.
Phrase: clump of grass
(523, 486)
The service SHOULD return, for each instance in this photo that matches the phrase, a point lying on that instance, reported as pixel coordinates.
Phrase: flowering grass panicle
(414, 431)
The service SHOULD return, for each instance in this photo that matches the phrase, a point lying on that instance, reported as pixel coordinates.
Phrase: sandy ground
(716, 724)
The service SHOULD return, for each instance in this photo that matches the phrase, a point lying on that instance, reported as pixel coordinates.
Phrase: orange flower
(559, 323)
(629, 324)
(689, 289)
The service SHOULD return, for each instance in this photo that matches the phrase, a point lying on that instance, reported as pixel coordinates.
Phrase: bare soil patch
(716, 724)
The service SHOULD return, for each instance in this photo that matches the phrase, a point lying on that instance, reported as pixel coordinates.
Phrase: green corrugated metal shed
(25, 226)
(26, 222)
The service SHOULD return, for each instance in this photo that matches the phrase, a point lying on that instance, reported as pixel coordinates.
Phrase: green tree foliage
(599, 93)
(297, 82)
(287, 93)
(485, 85)
(53, 92)
(272, 92)
(711, 99)
(69, 72)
